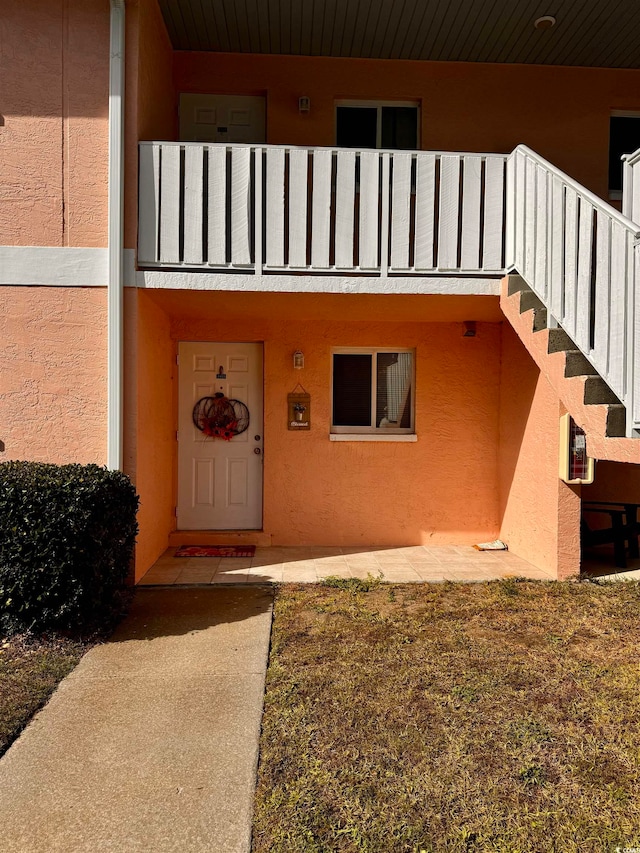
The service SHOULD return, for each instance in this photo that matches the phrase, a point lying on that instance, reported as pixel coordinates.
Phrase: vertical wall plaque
(299, 411)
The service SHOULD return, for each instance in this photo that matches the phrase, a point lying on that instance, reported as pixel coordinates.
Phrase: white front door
(223, 118)
(219, 482)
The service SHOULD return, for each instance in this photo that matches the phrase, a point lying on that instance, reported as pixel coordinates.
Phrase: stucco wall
(150, 102)
(154, 430)
(443, 488)
(465, 106)
(53, 374)
(157, 116)
(54, 67)
(540, 515)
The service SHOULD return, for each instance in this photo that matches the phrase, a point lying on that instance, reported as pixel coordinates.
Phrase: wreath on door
(220, 417)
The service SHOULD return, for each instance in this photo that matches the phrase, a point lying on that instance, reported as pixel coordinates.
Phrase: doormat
(216, 551)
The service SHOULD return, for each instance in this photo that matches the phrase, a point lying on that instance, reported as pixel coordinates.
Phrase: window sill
(373, 436)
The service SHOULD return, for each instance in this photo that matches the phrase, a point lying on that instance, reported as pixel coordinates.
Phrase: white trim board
(59, 266)
(54, 266)
(442, 285)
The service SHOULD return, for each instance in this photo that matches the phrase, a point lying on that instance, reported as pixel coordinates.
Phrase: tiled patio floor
(418, 564)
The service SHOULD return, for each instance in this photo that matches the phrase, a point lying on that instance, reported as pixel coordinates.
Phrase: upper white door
(219, 482)
(223, 118)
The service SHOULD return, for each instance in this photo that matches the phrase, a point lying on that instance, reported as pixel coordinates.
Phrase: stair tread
(597, 392)
(577, 364)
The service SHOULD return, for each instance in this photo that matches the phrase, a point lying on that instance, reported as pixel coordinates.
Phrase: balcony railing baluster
(321, 210)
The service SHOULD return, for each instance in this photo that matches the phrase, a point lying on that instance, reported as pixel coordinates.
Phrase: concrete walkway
(151, 744)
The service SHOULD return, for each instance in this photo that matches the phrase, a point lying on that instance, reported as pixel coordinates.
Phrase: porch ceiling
(587, 33)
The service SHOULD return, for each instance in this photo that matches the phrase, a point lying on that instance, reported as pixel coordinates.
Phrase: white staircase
(581, 258)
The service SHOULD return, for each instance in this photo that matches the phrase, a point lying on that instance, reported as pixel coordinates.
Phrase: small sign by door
(299, 411)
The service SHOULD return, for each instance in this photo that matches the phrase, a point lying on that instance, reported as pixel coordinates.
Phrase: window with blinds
(372, 391)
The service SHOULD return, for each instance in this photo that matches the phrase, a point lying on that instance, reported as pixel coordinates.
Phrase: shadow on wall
(518, 382)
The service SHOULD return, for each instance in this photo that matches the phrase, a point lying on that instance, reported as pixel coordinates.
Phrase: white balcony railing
(269, 209)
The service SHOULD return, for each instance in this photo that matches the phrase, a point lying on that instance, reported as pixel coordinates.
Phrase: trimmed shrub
(66, 540)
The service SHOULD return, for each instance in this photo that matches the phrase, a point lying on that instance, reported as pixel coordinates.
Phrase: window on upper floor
(372, 391)
(377, 125)
(624, 138)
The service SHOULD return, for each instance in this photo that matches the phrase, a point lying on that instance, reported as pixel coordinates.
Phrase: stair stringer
(570, 390)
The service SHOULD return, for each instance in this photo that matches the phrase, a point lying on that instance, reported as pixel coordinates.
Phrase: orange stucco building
(247, 219)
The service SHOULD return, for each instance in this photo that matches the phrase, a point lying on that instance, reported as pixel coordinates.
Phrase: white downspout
(115, 238)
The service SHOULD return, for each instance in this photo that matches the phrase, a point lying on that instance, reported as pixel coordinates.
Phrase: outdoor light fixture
(298, 359)
(469, 329)
(304, 104)
(545, 22)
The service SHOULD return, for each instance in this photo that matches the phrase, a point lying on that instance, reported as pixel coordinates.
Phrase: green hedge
(66, 541)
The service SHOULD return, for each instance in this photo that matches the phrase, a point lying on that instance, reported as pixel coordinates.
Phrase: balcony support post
(258, 204)
(384, 224)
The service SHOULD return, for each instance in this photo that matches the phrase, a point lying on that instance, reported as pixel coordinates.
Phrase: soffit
(587, 33)
(307, 308)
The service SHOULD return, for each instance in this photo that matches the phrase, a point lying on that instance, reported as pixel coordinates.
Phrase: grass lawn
(30, 670)
(501, 716)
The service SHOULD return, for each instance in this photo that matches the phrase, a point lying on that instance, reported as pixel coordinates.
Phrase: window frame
(374, 430)
(377, 105)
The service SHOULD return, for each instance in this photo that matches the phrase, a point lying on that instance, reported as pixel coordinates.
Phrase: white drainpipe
(115, 237)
